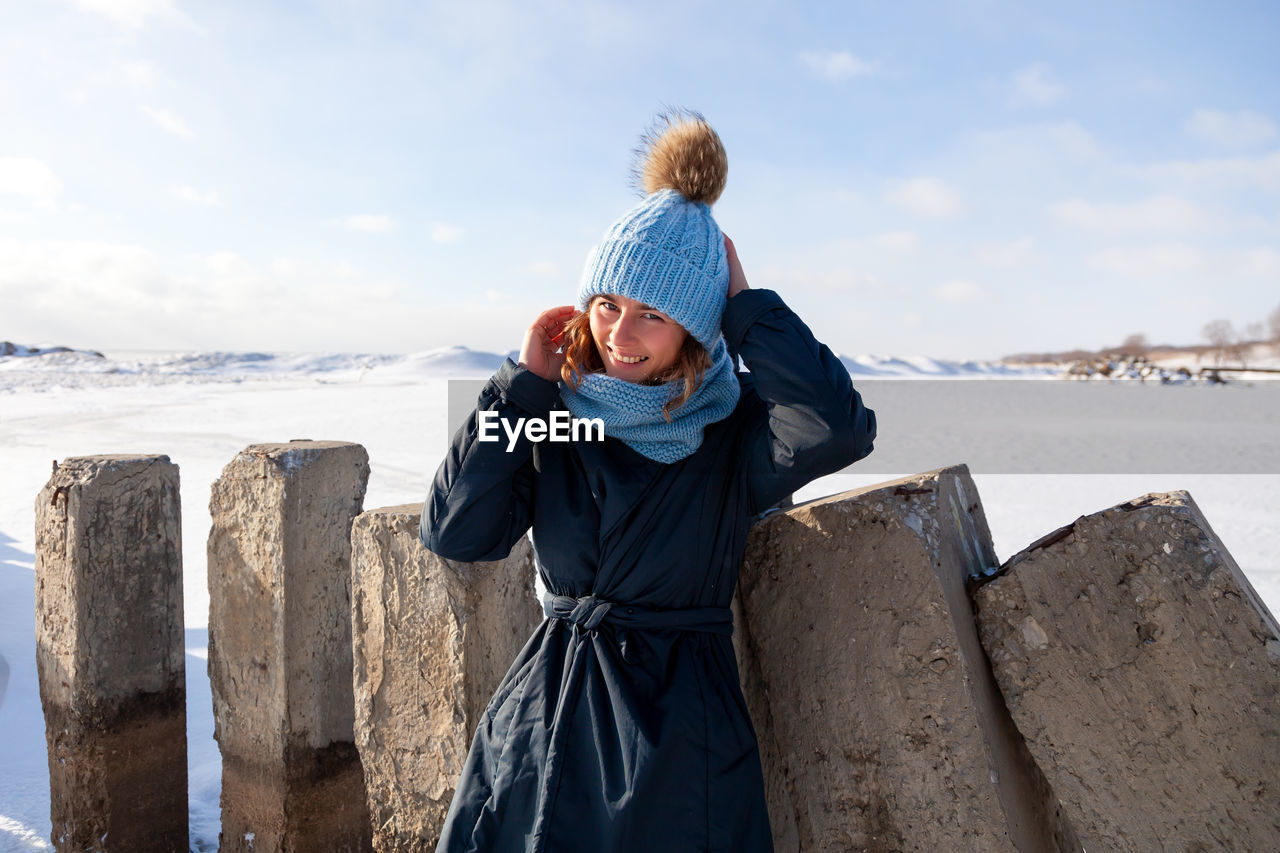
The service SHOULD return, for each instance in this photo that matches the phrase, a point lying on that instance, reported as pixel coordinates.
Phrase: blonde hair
(581, 357)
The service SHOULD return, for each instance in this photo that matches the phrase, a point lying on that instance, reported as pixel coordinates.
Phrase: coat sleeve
(480, 501)
(816, 423)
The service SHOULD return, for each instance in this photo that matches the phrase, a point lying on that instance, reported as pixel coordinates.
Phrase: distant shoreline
(49, 368)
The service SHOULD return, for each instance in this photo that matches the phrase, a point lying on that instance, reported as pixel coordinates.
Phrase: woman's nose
(625, 329)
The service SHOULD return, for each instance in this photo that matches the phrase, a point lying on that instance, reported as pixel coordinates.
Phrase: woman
(621, 725)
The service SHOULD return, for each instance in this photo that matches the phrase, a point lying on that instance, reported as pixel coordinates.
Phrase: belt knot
(586, 612)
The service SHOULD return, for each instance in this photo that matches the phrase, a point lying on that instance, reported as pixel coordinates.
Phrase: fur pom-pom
(681, 152)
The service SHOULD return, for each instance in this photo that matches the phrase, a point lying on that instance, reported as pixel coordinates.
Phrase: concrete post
(109, 652)
(280, 647)
(1144, 672)
(432, 640)
(881, 727)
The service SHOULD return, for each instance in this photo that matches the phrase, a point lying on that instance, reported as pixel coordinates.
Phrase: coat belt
(590, 610)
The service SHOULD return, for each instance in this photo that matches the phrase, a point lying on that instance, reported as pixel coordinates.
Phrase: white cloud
(1155, 214)
(1241, 129)
(133, 14)
(1036, 86)
(1041, 144)
(901, 242)
(106, 295)
(77, 276)
(168, 122)
(443, 232)
(225, 263)
(1013, 172)
(1263, 262)
(191, 195)
(140, 74)
(1012, 253)
(928, 197)
(1157, 259)
(370, 223)
(1254, 172)
(960, 291)
(29, 177)
(835, 66)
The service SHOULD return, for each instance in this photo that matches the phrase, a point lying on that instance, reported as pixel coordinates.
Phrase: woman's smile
(630, 359)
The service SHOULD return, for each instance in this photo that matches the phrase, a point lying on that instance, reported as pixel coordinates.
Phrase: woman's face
(635, 341)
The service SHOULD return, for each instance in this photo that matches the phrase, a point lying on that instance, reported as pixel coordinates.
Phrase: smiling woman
(621, 726)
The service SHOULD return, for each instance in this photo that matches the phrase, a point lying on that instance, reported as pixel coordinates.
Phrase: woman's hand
(538, 353)
(737, 278)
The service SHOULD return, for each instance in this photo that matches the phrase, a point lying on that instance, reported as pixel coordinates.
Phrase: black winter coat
(621, 725)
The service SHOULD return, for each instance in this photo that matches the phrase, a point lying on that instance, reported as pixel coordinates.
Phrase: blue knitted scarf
(633, 412)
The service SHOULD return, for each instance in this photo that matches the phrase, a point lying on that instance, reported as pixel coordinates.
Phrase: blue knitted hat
(667, 251)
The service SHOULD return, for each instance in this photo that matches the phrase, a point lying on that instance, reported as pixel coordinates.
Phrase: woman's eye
(653, 316)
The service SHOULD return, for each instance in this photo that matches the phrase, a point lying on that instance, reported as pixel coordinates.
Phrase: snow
(202, 408)
(923, 367)
(78, 369)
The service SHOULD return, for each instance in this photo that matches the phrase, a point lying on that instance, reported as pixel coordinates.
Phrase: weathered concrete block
(866, 681)
(109, 652)
(432, 640)
(777, 783)
(1144, 672)
(280, 646)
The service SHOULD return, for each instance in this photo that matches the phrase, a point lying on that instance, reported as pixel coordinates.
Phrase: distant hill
(10, 348)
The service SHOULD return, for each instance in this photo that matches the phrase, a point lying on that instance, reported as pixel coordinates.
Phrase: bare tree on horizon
(1252, 334)
(1135, 344)
(1221, 335)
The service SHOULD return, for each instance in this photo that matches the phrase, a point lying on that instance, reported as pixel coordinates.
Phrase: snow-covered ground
(202, 408)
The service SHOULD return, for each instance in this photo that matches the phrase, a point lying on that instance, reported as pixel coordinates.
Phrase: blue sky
(953, 179)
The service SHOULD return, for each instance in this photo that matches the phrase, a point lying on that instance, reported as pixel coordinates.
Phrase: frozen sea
(1042, 451)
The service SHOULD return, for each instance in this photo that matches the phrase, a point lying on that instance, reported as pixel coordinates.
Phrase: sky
(961, 179)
